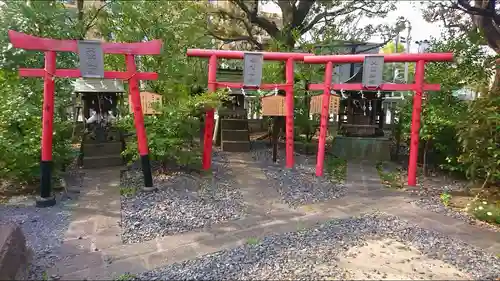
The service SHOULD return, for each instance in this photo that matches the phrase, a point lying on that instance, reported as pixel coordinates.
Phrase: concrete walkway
(93, 249)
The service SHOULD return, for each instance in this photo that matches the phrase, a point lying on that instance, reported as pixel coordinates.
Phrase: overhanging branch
(488, 11)
(248, 28)
(301, 12)
(252, 15)
(343, 11)
(92, 21)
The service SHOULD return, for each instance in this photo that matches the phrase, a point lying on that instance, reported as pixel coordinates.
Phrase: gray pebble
(299, 185)
(183, 203)
(295, 255)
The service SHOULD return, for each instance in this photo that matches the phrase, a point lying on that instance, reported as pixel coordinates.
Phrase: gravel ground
(43, 227)
(429, 199)
(184, 202)
(321, 253)
(297, 186)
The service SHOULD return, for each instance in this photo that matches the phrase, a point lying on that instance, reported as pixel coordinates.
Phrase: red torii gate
(213, 85)
(50, 47)
(419, 87)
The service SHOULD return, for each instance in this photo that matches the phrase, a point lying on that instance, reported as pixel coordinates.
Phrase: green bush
(485, 211)
(172, 134)
(479, 137)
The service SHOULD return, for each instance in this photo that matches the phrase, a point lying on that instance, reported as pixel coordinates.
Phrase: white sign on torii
(91, 58)
(252, 71)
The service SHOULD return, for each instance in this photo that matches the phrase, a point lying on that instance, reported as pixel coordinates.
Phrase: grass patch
(336, 168)
(301, 226)
(253, 241)
(389, 179)
(445, 198)
(128, 191)
(125, 277)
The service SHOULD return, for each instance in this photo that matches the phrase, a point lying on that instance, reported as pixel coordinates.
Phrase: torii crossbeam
(50, 47)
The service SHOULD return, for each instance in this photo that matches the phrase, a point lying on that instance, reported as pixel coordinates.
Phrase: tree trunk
(79, 6)
(424, 164)
(495, 89)
(274, 137)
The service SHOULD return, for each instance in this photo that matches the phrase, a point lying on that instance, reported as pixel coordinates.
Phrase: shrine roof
(96, 85)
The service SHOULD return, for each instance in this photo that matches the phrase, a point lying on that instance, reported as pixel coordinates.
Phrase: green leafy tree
(243, 21)
(479, 137)
(390, 48)
(179, 24)
(478, 20)
(172, 133)
(394, 72)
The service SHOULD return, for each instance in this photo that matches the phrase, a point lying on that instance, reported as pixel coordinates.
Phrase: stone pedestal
(362, 148)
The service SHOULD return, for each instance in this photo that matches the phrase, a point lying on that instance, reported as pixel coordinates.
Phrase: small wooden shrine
(102, 143)
(361, 113)
(231, 127)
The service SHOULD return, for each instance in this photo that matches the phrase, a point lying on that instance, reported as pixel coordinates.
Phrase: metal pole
(394, 64)
(408, 45)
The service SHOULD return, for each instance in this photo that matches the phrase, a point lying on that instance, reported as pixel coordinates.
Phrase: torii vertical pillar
(46, 197)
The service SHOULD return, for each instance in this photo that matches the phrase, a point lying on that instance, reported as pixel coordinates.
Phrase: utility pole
(394, 71)
(408, 45)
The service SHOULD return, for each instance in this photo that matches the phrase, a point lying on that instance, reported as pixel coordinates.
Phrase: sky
(411, 10)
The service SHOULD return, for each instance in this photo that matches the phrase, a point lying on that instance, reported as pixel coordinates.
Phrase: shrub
(172, 134)
(485, 211)
(479, 137)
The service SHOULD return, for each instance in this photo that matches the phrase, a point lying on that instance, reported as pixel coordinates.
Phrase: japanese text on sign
(373, 68)
(252, 72)
(91, 59)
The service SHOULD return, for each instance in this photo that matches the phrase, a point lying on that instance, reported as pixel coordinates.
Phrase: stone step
(234, 124)
(112, 136)
(103, 148)
(235, 146)
(232, 112)
(96, 162)
(235, 135)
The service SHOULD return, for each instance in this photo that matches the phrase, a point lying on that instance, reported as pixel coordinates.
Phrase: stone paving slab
(94, 226)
